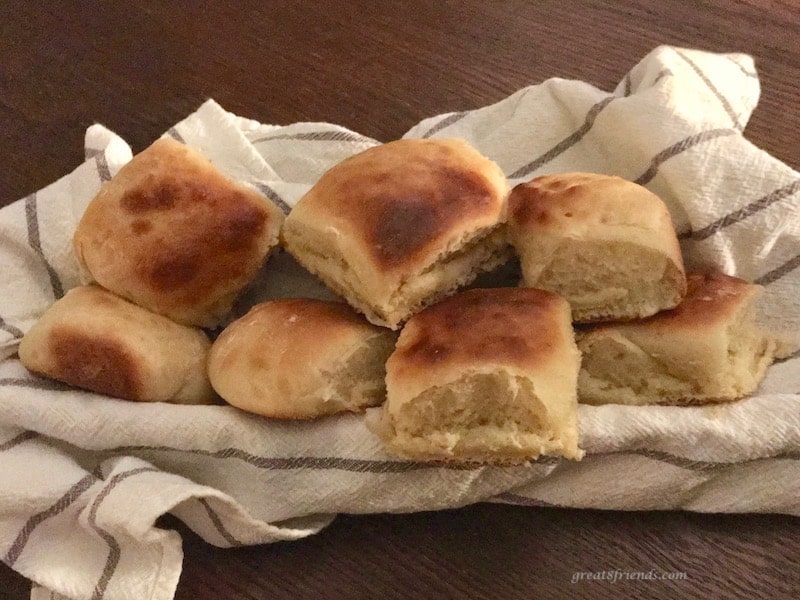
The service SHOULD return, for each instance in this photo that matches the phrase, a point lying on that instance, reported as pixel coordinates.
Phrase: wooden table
(378, 67)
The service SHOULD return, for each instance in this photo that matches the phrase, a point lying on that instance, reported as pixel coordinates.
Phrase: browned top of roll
(173, 234)
(566, 200)
(501, 326)
(285, 358)
(97, 341)
(711, 298)
(400, 200)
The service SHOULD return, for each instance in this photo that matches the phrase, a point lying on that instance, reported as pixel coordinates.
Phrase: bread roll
(97, 341)
(401, 225)
(171, 233)
(708, 349)
(301, 358)
(607, 245)
(487, 375)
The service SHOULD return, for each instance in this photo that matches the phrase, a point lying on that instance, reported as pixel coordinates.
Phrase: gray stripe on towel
(679, 147)
(175, 135)
(743, 213)
(274, 196)
(103, 172)
(751, 74)
(773, 276)
(444, 123)
(353, 465)
(34, 241)
(319, 136)
(32, 523)
(697, 465)
(218, 524)
(114, 551)
(723, 100)
(36, 384)
(567, 143)
(9, 328)
(17, 440)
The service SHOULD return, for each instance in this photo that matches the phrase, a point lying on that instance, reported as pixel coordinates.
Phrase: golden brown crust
(708, 349)
(103, 365)
(402, 200)
(283, 359)
(487, 375)
(173, 234)
(710, 299)
(97, 341)
(567, 198)
(606, 244)
(400, 225)
(582, 203)
(499, 326)
(295, 325)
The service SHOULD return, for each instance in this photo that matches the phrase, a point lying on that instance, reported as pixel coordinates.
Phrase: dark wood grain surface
(378, 67)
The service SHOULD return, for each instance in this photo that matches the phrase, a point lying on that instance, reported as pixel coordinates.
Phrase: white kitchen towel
(84, 477)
